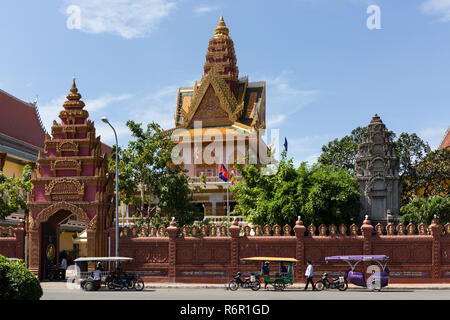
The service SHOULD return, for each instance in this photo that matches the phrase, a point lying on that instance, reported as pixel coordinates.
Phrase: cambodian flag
(223, 173)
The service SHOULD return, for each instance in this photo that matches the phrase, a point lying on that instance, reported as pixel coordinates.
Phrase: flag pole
(228, 206)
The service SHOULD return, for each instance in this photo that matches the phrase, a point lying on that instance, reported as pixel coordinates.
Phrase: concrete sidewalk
(297, 286)
(410, 286)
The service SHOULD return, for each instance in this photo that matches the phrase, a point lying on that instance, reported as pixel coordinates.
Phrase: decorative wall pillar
(435, 229)
(299, 230)
(20, 241)
(234, 232)
(34, 251)
(172, 230)
(90, 235)
(367, 230)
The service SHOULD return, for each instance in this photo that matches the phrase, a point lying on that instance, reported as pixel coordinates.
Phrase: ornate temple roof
(446, 141)
(21, 131)
(242, 101)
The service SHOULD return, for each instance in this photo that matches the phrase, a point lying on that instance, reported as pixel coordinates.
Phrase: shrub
(17, 282)
(423, 210)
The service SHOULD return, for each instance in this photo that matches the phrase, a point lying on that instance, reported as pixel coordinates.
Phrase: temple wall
(12, 242)
(211, 256)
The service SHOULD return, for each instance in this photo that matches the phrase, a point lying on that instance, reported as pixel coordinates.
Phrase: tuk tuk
(379, 276)
(280, 279)
(111, 279)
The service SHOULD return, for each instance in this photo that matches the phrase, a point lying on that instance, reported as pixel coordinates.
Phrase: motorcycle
(339, 283)
(54, 273)
(129, 281)
(251, 282)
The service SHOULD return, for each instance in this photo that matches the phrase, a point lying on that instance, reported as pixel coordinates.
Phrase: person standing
(266, 272)
(63, 267)
(309, 276)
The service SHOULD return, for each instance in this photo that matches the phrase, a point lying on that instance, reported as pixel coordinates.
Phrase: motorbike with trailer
(378, 272)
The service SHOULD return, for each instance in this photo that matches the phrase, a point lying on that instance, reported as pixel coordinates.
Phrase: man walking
(309, 276)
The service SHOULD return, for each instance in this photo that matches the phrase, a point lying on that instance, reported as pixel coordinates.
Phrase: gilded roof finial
(73, 98)
(221, 28)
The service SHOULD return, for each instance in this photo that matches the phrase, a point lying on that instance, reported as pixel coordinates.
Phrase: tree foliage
(320, 194)
(429, 177)
(423, 210)
(149, 180)
(13, 193)
(342, 152)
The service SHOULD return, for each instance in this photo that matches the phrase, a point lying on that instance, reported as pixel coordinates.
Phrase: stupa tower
(377, 173)
(221, 56)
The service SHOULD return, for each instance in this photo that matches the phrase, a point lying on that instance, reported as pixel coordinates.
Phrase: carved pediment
(226, 100)
(65, 164)
(69, 146)
(64, 189)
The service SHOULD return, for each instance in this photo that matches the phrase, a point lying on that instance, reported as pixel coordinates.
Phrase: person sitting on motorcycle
(97, 274)
(283, 269)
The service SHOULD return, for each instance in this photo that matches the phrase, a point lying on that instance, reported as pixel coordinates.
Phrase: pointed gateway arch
(73, 180)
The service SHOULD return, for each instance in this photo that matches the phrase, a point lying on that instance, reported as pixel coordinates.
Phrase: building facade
(21, 139)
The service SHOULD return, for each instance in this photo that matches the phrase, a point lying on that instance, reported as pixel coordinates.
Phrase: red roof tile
(19, 120)
(446, 141)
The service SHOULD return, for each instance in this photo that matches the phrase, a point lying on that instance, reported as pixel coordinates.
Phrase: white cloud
(203, 10)
(437, 7)
(285, 99)
(127, 18)
(98, 104)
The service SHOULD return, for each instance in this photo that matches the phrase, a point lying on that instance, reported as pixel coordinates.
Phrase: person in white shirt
(63, 267)
(309, 276)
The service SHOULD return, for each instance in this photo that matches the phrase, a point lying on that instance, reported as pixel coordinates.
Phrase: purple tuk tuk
(379, 272)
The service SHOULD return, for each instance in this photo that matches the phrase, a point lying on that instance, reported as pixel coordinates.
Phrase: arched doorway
(51, 241)
(44, 235)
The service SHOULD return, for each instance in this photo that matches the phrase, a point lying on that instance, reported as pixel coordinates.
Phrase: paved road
(59, 291)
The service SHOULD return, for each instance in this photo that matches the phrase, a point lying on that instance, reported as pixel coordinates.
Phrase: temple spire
(221, 29)
(221, 56)
(73, 98)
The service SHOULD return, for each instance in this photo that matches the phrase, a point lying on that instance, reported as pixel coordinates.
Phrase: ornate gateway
(73, 181)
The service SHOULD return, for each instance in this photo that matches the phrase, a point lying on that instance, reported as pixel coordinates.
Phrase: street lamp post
(105, 120)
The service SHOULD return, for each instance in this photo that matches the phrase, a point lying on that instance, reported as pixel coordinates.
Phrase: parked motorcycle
(129, 281)
(53, 273)
(251, 282)
(339, 283)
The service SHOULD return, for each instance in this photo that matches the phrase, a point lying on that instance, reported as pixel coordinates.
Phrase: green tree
(342, 152)
(149, 180)
(423, 210)
(13, 193)
(320, 194)
(429, 177)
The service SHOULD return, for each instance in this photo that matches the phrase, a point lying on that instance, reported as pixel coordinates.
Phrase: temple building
(21, 139)
(377, 172)
(219, 120)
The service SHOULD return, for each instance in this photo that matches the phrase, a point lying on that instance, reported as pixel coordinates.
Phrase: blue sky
(326, 72)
